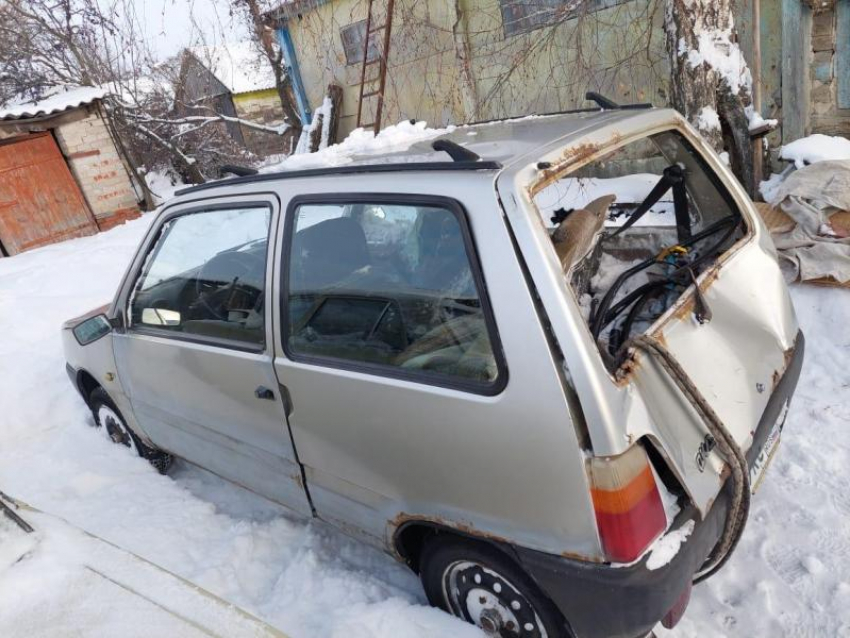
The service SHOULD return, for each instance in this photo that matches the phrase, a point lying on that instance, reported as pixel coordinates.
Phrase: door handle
(262, 392)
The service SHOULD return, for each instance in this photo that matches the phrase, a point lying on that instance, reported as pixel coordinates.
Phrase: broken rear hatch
(644, 232)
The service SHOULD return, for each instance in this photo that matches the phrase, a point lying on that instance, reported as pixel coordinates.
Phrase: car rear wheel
(483, 586)
(108, 419)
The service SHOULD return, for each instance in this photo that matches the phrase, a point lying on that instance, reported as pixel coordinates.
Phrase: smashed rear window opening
(633, 230)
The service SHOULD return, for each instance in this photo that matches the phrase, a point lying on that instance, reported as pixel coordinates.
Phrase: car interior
(403, 297)
(370, 284)
(633, 230)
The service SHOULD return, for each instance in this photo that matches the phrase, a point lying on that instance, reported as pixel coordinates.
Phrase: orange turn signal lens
(629, 511)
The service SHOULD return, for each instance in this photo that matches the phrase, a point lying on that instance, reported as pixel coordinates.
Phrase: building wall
(426, 79)
(616, 47)
(98, 169)
(262, 107)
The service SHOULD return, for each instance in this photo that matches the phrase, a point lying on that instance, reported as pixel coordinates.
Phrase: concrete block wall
(98, 169)
(262, 107)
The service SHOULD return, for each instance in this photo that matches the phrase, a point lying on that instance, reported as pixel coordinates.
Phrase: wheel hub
(488, 600)
(113, 427)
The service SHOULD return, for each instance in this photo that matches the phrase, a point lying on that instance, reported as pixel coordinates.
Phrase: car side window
(205, 276)
(391, 286)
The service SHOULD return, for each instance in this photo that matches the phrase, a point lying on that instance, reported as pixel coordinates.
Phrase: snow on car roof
(62, 100)
(410, 141)
(240, 66)
(408, 146)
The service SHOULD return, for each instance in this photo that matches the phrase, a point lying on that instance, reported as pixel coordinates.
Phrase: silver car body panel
(389, 451)
(378, 452)
(731, 360)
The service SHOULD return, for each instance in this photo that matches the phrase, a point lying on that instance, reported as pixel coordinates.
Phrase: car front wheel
(483, 586)
(108, 419)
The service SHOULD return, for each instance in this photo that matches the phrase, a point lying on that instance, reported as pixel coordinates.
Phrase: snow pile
(770, 187)
(665, 548)
(162, 185)
(803, 152)
(54, 103)
(142, 600)
(360, 142)
(816, 148)
(240, 66)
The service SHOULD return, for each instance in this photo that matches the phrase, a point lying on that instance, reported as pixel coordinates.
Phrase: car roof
(494, 145)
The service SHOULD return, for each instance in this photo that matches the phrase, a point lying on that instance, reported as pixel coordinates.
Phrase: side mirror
(92, 329)
(160, 317)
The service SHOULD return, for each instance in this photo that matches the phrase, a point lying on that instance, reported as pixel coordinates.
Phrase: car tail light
(629, 511)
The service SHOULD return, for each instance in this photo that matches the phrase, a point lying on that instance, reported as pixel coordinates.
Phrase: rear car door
(395, 349)
(735, 356)
(196, 355)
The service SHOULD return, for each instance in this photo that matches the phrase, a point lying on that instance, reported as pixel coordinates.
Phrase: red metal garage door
(40, 202)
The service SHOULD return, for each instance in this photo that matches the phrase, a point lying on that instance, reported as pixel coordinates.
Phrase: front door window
(205, 277)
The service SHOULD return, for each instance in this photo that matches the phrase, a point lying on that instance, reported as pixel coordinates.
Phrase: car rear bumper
(601, 601)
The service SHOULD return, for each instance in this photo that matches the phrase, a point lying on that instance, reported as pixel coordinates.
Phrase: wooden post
(758, 144)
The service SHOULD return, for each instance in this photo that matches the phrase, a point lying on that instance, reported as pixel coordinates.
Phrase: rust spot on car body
(627, 370)
(787, 356)
(573, 155)
(466, 528)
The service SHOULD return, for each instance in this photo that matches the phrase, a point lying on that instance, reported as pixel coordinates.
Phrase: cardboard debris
(778, 222)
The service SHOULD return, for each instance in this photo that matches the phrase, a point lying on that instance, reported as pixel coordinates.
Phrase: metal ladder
(381, 60)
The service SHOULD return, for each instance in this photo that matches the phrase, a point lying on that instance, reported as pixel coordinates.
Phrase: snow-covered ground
(790, 576)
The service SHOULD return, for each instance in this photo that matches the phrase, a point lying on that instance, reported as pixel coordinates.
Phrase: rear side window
(205, 277)
(392, 287)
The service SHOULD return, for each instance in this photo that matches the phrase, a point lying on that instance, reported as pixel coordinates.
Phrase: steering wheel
(223, 273)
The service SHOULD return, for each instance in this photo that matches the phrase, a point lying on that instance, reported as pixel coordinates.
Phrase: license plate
(757, 470)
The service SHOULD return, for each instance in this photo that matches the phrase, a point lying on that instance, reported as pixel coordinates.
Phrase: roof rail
(606, 103)
(351, 169)
(235, 169)
(457, 152)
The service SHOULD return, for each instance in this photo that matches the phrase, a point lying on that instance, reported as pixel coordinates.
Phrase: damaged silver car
(514, 356)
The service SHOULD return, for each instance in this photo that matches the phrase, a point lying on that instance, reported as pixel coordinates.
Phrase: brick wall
(262, 107)
(826, 116)
(98, 169)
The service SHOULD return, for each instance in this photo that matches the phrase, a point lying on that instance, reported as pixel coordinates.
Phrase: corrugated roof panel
(52, 104)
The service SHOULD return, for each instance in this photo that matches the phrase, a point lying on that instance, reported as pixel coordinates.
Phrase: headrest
(328, 252)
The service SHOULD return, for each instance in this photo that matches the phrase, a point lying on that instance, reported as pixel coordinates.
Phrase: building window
(522, 16)
(352, 43)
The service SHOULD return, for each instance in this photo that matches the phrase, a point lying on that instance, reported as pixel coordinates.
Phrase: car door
(401, 408)
(195, 357)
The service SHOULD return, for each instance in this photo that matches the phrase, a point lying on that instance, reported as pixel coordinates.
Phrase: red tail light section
(629, 511)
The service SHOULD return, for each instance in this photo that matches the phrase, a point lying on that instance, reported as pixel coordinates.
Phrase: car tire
(483, 586)
(108, 418)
